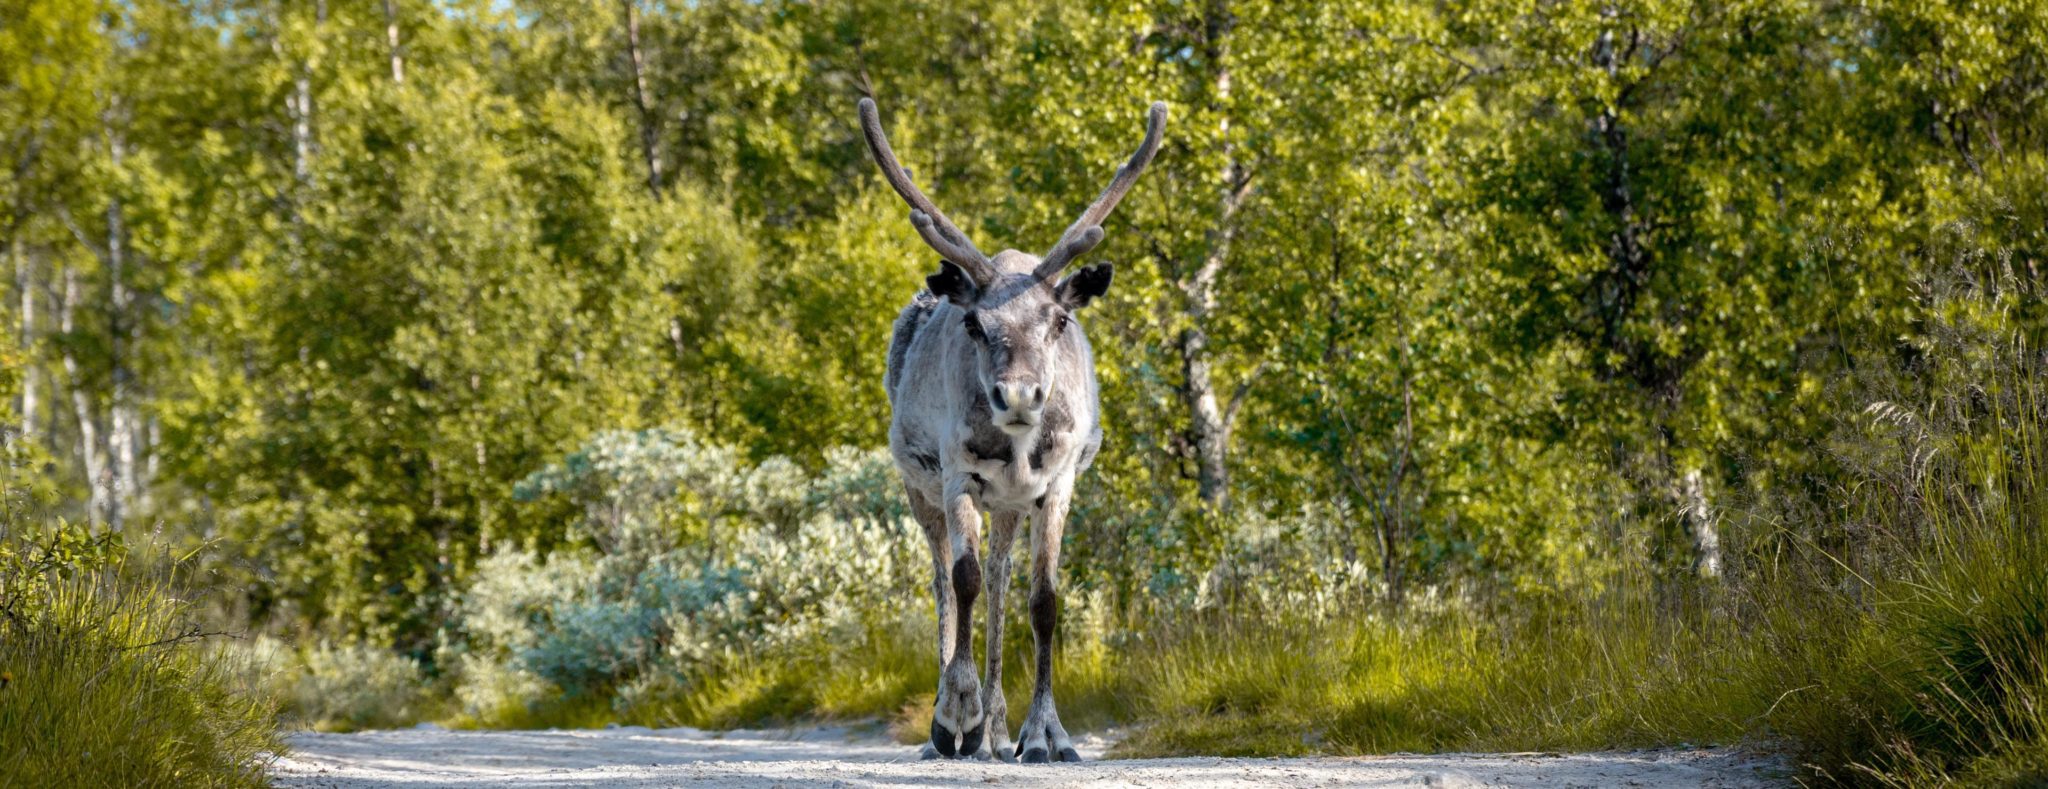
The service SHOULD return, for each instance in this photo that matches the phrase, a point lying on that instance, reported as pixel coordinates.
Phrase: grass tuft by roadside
(107, 680)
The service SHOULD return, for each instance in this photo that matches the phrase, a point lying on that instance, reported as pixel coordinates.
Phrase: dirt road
(639, 757)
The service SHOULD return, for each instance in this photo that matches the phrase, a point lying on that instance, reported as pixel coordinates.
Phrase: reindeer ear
(953, 284)
(1083, 286)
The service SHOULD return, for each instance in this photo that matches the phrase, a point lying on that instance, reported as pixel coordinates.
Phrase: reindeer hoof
(970, 743)
(1070, 755)
(1036, 756)
(942, 741)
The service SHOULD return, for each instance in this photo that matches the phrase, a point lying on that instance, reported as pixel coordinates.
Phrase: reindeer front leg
(933, 521)
(958, 710)
(1043, 739)
(995, 581)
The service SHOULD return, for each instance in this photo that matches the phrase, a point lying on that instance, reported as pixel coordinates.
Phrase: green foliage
(559, 376)
(1895, 638)
(1487, 283)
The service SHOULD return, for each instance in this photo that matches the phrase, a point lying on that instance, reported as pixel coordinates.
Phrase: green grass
(1430, 682)
(102, 683)
(1945, 677)
(1941, 679)
(1916, 662)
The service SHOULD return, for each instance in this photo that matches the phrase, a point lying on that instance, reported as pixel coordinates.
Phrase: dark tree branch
(190, 634)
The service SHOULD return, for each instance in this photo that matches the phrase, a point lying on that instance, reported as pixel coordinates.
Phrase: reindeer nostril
(995, 396)
(1038, 395)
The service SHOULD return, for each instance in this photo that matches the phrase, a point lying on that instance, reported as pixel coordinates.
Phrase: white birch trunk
(1699, 524)
(1209, 423)
(82, 411)
(648, 133)
(391, 36)
(31, 380)
(121, 433)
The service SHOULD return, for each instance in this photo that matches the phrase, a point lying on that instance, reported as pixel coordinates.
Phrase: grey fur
(995, 409)
(907, 322)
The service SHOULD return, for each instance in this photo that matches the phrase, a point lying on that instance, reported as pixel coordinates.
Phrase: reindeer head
(1016, 306)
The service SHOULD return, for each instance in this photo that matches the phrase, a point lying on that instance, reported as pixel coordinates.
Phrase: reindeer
(995, 406)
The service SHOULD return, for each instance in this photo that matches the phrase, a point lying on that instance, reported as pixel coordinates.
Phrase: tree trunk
(81, 406)
(121, 433)
(1628, 260)
(299, 106)
(648, 133)
(1699, 525)
(391, 36)
(1210, 434)
(1394, 500)
(1381, 488)
(31, 379)
(1627, 276)
(1209, 424)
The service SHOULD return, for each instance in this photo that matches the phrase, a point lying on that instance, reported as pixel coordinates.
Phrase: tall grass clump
(105, 681)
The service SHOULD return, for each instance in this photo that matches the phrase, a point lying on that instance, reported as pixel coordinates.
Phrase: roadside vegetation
(1897, 635)
(106, 679)
(1487, 375)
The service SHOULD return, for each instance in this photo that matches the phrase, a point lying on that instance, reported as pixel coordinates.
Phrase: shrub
(686, 566)
(347, 688)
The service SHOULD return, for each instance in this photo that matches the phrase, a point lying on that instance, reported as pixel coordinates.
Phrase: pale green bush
(685, 560)
(345, 688)
(1287, 563)
(493, 689)
(814, 585)
(513, 595)
(860, 487)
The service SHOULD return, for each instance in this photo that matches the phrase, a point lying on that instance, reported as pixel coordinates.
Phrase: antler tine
(1067, 251)
(931, 223)
(1086, 231)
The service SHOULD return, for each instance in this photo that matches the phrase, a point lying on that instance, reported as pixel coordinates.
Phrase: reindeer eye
(973, 324)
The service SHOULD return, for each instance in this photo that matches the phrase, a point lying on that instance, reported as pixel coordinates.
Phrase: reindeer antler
(1083, 234)
(931, 223)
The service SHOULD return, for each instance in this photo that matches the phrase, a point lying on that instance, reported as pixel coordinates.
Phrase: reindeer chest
(1014, 471)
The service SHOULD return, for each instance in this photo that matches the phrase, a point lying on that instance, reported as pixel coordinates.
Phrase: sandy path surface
(639, 757)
